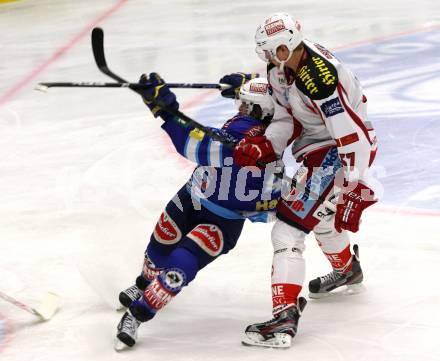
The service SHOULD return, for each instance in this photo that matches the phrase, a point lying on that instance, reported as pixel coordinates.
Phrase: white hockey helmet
(277, 29)
(256, 93)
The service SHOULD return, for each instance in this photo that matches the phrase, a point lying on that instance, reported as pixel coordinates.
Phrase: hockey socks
(158, 294)
(284, 296)
(340, 261)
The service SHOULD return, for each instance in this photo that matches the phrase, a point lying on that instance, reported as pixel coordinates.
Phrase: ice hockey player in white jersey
(321, 108)
(205, 218)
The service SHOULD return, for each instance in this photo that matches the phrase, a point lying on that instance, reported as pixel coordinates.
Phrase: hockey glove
(254, 151)
(158, 91)
(235, 80)
(351, 205)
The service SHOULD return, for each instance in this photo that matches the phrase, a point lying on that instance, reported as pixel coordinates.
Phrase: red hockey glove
(250, 150)
(351, 205)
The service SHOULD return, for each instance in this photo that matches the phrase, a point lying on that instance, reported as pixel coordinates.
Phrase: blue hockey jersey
(219, 185)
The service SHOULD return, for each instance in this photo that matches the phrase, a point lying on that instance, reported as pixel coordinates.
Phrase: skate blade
(280, 340)
(119, 346)
(343, 291)
(121, 308)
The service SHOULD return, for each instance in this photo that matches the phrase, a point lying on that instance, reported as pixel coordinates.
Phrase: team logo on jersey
(274, 27)
(208, 237)
(166, 230)
(332, 107)
(258, 88)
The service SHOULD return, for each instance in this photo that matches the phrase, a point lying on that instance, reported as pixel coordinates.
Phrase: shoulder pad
(317, 77)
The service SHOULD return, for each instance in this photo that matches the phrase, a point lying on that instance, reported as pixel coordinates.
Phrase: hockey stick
(45, 86)
(99, 55)
(44, 311)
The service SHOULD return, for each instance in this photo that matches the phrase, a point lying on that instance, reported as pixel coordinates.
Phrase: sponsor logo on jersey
(332, 107)
(258, 88)
(266, 205)
(307, 80)
(297, 205)
(208, 237)
(317, 77)
(166, 230)
(323, 71)
(274, 27)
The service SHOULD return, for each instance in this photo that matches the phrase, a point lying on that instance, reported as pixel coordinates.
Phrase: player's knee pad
(158, 294)
(331, 241)
(185, 260)
(285, 236)
(288, 265)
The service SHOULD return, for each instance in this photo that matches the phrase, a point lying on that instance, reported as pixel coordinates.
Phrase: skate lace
(130, 325)
(133, 292)
(330, 278)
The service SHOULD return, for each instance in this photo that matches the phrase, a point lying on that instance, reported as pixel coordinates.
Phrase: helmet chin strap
(283, 62)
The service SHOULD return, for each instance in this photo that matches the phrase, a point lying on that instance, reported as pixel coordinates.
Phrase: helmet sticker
(274, 27)
(258, 88)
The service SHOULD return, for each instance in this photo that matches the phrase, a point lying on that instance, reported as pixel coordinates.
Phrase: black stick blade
(98, 47)
(99, 55)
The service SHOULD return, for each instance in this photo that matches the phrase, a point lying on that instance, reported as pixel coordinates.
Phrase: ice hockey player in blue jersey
(206, 216)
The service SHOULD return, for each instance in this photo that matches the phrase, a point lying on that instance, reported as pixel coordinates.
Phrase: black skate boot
(320, 287)
(277, 332)
(133, 293)
(127, 296)
(126, 332)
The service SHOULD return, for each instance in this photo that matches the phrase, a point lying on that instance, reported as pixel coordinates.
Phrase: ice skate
(127, 296)
(126, 332)
(278, 332)
(351, 281)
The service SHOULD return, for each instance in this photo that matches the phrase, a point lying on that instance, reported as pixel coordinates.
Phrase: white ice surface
(85, 173)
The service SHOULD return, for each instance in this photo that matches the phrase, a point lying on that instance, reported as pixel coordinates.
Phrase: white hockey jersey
(323, 106)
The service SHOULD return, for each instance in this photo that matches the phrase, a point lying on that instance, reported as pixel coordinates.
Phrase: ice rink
(85, 173)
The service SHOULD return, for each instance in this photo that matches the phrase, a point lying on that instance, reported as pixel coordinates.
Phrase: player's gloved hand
(254, 151)
(351, 205)
(235, 80)
(157, 91)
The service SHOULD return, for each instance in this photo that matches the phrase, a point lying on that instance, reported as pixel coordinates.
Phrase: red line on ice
(16, 88)
(7, 333)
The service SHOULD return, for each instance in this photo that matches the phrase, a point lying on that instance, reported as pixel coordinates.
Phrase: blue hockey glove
(235, 80)
(158, 91)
